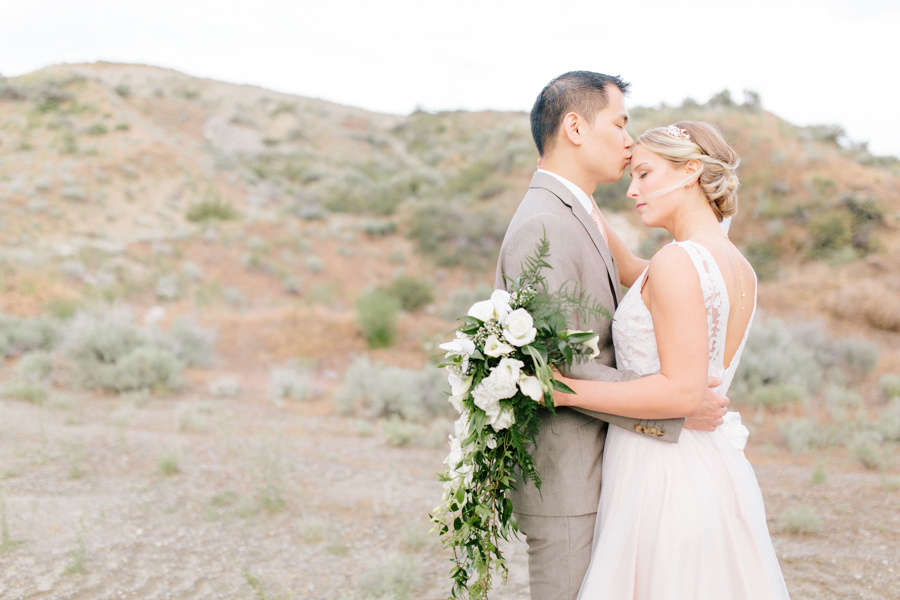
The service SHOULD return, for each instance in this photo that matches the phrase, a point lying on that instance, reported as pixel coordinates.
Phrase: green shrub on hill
(376, 313)
(213, 209)
(412, 291)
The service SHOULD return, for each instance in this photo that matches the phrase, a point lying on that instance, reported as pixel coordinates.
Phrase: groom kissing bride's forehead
(579, 123)
(579, 126)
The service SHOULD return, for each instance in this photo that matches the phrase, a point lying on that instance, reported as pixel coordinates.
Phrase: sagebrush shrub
(412, 291)
(189, 342)
(890, 385)
(859, 355)
(379, 390)
(802, 435)
(107, 350)
(292, 382)
(145, 368)
(35, 366)
(800, 519)
(376, 313)
(777, 355)
(19, 335)
(777, 397)
(869, 449)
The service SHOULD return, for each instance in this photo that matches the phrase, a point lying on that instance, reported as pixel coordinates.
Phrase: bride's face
(651, 173)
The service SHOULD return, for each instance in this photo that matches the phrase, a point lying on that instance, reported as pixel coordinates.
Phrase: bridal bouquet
(500, 372)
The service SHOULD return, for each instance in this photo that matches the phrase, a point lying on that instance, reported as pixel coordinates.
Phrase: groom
(578, 123)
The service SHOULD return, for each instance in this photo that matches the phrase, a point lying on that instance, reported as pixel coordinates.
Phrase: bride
(681, 520)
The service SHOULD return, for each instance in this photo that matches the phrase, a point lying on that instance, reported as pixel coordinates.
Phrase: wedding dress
(680, 521)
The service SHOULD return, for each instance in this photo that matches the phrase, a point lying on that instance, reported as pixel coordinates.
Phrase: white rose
(519, 328)
(506, 375)
(494, 347)
(490, 441)
(485, 397)
(500, 301)
(531, 387)
(503, 419)
(483, 310)
(458, 385)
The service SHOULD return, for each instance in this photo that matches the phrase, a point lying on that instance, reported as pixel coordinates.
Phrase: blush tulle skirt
(680, 521)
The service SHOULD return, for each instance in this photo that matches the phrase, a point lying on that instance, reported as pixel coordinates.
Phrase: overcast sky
(812, 61)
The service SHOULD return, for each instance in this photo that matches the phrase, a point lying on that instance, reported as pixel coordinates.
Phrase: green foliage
(614, 196)
(213, 209)
(451, 234)
(110, 352)
(776, 354)
(146, 368)
(778, 396)
(398, 432)
(868, 448)
(7, 543)
(33, 393)
(379, 390)
(20, 335)
(830, 232)
(35, 366)
(412, 291)
(802, 435)
(395, 579)
(63, 308)
(376, 313)
(97, 129)
(763, 255)
(77, 566)
(890, 385)
(189, 342)
(379, 228)
(290, 381)
(167, 464)
(859, 355)
(800, 519)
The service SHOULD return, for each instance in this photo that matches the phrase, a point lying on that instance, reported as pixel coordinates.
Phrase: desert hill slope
(218, 304)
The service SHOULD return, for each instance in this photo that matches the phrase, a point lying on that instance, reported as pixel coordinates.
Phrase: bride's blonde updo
(718, 160)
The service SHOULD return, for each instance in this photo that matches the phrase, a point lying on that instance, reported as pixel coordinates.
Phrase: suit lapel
(552, 184)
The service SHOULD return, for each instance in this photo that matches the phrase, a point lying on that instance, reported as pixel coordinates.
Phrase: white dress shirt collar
(576, 191)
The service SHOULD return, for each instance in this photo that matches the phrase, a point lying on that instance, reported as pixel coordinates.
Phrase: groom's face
(607, 145)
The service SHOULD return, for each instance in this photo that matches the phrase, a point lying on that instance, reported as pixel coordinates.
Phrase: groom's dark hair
(583, 92)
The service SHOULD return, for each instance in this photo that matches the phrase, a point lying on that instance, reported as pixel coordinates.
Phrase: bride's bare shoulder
(673, 272)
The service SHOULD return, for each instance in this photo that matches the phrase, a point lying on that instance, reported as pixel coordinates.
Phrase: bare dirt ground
(297, 502)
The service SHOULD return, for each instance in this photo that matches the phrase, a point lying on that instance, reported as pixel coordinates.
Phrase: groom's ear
(571, 127)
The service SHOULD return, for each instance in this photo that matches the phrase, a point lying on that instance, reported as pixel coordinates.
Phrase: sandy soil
(295, 498)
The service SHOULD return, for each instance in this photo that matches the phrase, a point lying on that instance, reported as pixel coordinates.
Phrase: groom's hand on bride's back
(712, 413)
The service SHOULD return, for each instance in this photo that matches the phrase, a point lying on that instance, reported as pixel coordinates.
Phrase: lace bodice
(635, 339)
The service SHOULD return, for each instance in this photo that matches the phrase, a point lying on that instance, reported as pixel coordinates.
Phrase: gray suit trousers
(559, 553)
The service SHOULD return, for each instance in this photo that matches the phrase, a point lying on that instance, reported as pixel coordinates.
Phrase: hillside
(218, 304)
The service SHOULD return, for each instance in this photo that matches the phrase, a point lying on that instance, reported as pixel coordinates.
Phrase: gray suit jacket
(570, 443)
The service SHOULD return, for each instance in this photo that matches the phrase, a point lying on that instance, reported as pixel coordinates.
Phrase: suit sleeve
(566, 262)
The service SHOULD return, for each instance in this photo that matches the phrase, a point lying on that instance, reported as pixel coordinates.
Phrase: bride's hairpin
(678, 132)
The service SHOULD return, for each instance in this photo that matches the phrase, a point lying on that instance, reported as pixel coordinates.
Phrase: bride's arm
(630, 266)
(679, 320)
